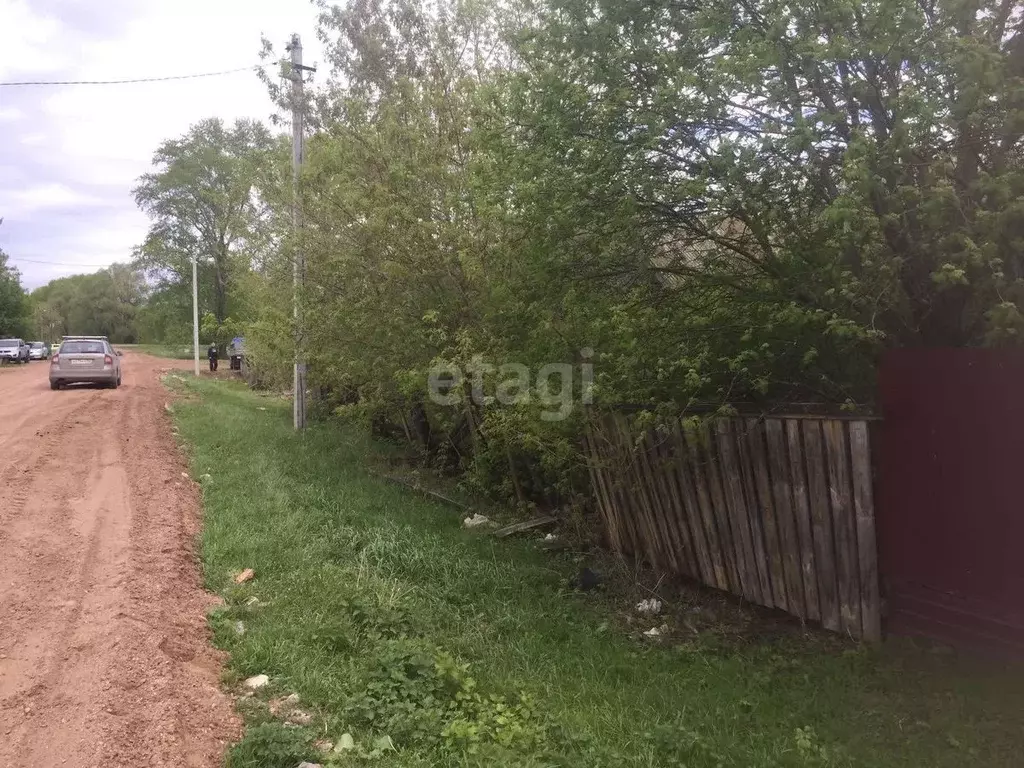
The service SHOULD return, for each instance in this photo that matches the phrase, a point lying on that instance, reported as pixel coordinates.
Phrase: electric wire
(57, 263)
(127, 81)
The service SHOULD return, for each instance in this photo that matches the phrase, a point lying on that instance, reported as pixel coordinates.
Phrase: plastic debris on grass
(655, 632)
(651, 606)
(256, 682)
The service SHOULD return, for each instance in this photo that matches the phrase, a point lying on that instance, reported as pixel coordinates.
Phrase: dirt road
(104, 659)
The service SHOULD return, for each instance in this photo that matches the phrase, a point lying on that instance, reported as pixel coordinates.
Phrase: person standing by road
(211, 353)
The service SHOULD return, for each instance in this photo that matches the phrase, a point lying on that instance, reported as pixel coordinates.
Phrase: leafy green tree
(105, 303)
(778, 189)
(220, 334)
(201, 201)
(729, 201)
(47, 322)
(13, 303)
(166, 315)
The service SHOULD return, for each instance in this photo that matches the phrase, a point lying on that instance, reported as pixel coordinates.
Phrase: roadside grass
(430, 645)
(171, 351)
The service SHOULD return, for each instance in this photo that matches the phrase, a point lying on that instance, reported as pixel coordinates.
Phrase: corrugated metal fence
(778, 510)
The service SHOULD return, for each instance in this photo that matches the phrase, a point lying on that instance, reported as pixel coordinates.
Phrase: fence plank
(788, 539)
(721, 511)
(605, 507)
(665, 459)
(647, 526)
(652, 533)
(821, 516)
(755, 513)
(736, 503)
(803, 519)
(654, 478)
(757, 440)
(864, 511)
(615, 482)
(683, 477)
(843, 526)
(707, 516)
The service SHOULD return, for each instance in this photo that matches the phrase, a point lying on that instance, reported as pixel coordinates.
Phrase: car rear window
(82, 348)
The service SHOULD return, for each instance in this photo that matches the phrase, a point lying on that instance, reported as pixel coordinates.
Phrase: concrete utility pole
(299, 268)
(195, 311)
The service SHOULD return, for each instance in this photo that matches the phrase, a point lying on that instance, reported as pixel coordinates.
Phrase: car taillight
(108, 360)
(55, 358)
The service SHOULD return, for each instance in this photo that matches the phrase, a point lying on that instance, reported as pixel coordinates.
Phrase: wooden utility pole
(296, 74)
(195, 312)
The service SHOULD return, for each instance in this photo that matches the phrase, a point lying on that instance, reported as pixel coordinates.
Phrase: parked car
(13, 350)
(37, 350)
(85, 359)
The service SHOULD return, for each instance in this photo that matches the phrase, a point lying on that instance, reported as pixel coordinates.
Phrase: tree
(201, 201)
(166, 315)
(732, 202)
(105, 303)
(13, 303)
(47, 323)
(810, 180)
(220, 334)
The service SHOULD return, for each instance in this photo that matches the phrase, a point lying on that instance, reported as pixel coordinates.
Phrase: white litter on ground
(256, 682)
(651, 606)
(476, 521)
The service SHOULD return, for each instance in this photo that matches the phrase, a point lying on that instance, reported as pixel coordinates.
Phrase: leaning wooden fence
(777, 510)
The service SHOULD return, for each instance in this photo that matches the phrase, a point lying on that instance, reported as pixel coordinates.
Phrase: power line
(60, 263)
(130, 80)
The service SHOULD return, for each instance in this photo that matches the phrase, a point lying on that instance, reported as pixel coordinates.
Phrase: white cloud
(28, 40)
(11, 114)
(21, 202)
(124, 124)
(83, 147)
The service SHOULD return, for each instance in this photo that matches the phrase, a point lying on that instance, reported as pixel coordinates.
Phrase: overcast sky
(69, 155)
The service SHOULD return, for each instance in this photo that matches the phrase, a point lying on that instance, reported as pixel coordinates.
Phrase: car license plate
(81, 362)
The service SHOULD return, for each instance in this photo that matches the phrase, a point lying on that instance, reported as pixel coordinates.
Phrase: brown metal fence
(778, 510)
(951, 495)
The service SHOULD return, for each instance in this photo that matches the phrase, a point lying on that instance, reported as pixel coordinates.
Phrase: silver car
(85, 359)
(13, 350)
(37, 350)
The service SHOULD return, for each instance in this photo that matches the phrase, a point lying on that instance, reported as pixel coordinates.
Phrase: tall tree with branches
(201, 202)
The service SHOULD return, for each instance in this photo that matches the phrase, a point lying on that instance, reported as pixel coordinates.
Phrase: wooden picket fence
(778, 510)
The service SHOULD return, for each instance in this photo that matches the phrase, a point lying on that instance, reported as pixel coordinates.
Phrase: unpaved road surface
(104, 655)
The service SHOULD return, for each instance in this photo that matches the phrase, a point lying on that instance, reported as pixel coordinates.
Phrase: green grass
(171, 351)
(391, 621)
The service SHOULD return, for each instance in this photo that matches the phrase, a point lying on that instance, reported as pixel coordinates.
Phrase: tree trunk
(220, 286)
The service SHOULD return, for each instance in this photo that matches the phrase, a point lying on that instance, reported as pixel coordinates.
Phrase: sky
(70, 155)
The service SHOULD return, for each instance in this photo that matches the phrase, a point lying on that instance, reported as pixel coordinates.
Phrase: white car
(13, 350)
(37, 350)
